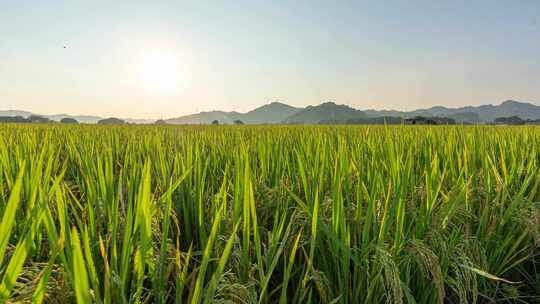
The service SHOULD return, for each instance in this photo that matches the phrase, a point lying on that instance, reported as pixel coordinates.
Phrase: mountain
(205, 118)
(271, 113)
(471, 114)
(508, 108)
(327, 112)
(386, 113)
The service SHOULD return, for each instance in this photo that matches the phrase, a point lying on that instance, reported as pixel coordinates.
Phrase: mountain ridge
(270, 113)
(332, 112)
(325, 112)
(328, 112)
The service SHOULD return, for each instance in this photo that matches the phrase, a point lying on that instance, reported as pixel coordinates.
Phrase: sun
(159, 72)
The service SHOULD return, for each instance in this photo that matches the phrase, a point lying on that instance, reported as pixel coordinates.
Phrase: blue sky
(237, 55)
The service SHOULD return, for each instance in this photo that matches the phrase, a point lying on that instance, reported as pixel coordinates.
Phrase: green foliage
(269, 214)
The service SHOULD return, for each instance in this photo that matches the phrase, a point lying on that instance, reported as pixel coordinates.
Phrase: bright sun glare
(159, 72)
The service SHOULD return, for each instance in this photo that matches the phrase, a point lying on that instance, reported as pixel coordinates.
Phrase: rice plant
(269, 214)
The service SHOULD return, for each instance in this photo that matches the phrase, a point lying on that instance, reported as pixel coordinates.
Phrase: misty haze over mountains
(277, 112)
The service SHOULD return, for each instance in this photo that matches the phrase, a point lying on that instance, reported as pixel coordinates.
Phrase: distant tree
(421, 120)
(69, 121)
(415, 120)
(215, 122)
(511, 120)
(14, 119)
(111, 121)
(38, 119)
(238, 122)
(160, 122)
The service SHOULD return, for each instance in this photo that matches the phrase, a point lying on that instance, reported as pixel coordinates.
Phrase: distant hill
(276, 112)
(271, 113)
(111, 121)
(385, 113)
(508, 108)
(465, 117)
(205, 118)
(488, 113)
(326, 112)
(471, 114)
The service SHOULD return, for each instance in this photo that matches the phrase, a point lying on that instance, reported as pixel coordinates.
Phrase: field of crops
(269, 214)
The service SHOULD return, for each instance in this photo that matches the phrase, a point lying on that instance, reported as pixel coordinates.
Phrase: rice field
(269, 214)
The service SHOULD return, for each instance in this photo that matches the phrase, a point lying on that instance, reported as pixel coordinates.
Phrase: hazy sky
(237, 55)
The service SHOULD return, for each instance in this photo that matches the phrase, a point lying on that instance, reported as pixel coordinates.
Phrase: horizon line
(265, 104)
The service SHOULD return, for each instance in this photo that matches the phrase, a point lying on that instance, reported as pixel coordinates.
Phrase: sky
(163, 59)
